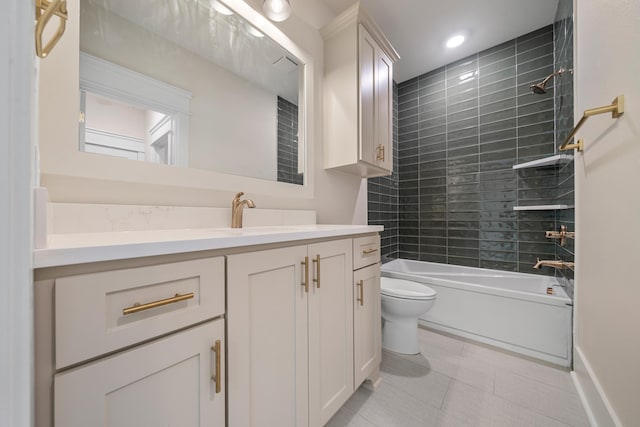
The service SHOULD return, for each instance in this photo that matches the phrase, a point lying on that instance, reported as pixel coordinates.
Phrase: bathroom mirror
(189, 83)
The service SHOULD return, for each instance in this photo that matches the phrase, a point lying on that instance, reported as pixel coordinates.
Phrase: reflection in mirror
(188, 83)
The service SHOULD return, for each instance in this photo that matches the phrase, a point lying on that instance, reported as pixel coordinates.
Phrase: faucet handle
(239, 194)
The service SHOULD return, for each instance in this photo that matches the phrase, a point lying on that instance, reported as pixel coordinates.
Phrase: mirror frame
(60, 159)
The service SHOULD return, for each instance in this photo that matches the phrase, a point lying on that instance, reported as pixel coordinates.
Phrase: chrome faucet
(237, 206)
(554, 264)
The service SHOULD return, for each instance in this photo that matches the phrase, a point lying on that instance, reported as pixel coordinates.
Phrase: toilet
(403, 301)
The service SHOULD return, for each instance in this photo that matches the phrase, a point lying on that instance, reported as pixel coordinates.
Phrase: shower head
(539, 89)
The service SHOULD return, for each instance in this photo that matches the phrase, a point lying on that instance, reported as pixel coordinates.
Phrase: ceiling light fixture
(455, 41)
(219, 7)
(254, 32)
(277, 10)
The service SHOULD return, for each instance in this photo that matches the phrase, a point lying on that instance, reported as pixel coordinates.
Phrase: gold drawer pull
(369, 251)
(317, 263)
(137, 307)
(361, 286)
(306, 274)
(216, 376)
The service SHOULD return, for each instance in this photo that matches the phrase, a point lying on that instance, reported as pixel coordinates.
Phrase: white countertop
(79, 248)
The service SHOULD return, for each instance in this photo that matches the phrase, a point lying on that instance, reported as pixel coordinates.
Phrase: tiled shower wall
(563, 41)
(383, 196)
(288, 143)
(423, 221)
(461, 128)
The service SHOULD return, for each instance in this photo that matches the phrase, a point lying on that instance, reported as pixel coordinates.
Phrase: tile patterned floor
(457, 383)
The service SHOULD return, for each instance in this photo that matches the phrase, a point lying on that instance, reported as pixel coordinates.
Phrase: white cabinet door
(367, 323)
(267, 345)
(167, 382)
(368, 91)
(384, 110)
(330, 329)
(376, 102)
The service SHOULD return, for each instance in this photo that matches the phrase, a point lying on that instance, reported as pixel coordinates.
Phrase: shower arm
(616, 109)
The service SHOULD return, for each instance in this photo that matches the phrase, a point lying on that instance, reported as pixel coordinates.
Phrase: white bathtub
(504, 309)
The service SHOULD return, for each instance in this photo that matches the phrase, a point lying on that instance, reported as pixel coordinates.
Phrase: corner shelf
(546, 161)
(541, 207)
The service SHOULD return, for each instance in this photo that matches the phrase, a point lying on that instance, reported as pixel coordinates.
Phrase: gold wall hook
(45, 10)
(616, 109)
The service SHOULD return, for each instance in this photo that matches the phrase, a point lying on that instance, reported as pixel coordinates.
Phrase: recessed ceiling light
(455, 41)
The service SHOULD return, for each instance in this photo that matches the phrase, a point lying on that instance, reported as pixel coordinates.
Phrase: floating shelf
(541, 208)
(547, 161)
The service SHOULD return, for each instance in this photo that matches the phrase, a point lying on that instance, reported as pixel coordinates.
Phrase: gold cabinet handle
(44, 12)
(369, 251)
(380, 155)
(216, 376)
(306, 274)
(360, 285)
(317, 279)
(137, 307)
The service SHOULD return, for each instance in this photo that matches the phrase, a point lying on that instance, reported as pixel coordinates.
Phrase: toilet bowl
(403, 301)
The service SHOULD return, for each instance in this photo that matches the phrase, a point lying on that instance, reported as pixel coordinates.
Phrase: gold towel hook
(44, 12)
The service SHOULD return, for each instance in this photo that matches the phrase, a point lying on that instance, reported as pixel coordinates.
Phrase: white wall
(17, 73)
(115, 117)
(608, 212)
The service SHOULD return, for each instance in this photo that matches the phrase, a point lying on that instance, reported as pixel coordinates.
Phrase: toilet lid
(400, 288)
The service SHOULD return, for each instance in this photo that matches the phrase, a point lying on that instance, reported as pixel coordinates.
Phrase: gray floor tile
(456, 383)
(539, 397)
(346, 417)
(555, 376)
(417, 380)
(479, 408)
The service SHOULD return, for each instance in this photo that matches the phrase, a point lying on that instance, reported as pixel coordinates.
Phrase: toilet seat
(405, 289)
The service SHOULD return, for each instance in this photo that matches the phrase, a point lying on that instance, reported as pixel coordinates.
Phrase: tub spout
(554, 264)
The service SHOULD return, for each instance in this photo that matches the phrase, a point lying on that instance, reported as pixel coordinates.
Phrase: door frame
(18, 75)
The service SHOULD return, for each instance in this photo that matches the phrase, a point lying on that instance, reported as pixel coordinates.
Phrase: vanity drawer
(90, 309)
(366, 251)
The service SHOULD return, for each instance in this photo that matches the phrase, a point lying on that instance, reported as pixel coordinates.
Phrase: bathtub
(508, 310)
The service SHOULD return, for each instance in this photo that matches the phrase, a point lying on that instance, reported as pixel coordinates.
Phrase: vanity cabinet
(277, 334)
(167, 382)
(290, 326)
(358, 95)
(142, 346)
(367, 320)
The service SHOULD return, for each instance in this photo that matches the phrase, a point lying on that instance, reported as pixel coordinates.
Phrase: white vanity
(191, 325)
(278, 324)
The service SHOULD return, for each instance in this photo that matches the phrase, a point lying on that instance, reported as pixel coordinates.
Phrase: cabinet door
(384, 110)
(368, 88)
(166, 382)
(267, 345)
(367, 322)
(330, 329)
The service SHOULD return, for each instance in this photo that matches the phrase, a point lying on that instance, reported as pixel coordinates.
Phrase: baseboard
(596, 405)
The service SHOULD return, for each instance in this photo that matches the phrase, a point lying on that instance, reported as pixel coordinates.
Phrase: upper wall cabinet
(358, 95)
